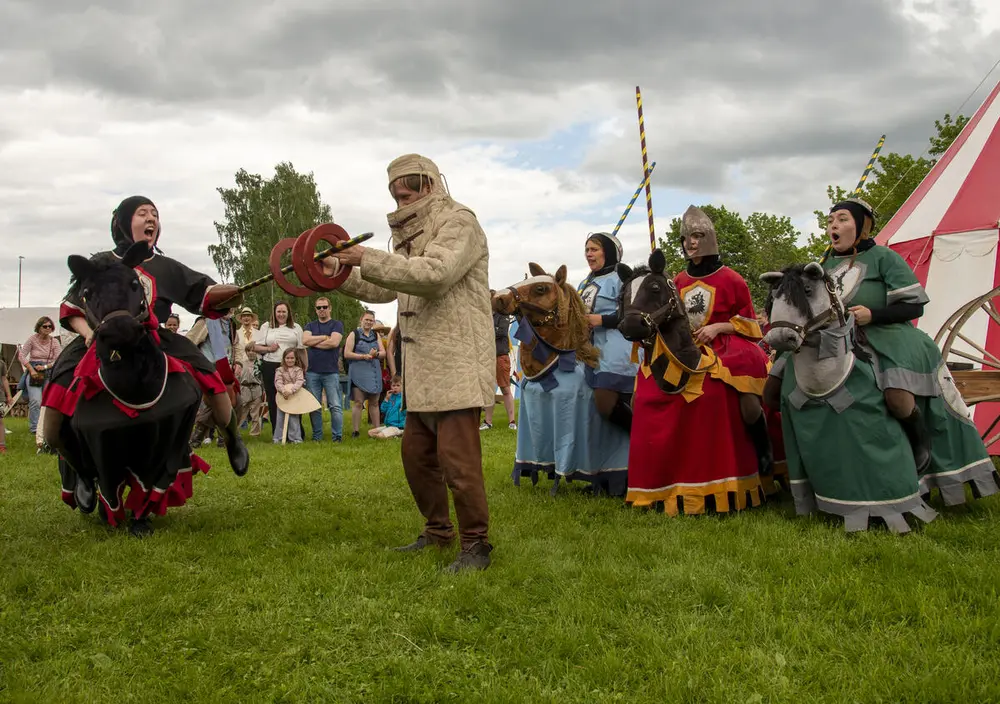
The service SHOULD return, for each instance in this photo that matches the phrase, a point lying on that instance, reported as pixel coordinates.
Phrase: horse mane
(101, 262)
(791, 288)
(574, 315)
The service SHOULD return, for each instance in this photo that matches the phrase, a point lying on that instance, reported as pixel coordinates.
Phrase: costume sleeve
(457, 246)
(71, 307)
(901, 285)
(897, 313)
(744, 320)
(192, 290)
(358, 288)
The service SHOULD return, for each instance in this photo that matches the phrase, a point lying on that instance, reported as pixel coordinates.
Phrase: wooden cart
(975, 385)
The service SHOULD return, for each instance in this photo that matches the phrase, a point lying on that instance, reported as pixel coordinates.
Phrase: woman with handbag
(37, 355)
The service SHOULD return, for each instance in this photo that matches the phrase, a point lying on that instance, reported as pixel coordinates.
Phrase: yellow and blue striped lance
(635, 197)
(646, 171)
(868, 169)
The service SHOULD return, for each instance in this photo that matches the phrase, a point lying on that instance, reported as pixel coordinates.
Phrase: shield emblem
(589, 296)
(846, 279)
(699, 299)
(147, 286)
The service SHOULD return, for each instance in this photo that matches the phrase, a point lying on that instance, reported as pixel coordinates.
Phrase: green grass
(280, 587)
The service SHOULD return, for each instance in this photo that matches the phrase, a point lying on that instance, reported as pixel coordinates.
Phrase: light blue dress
(560, 433)
(366, 374)
(615, 371)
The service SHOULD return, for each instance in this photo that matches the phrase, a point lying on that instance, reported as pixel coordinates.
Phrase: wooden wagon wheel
(976, 385)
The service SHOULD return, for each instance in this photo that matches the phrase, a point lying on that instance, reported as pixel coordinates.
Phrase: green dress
(846, 455)
(905, 357)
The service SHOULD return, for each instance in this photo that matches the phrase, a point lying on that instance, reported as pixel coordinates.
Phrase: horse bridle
(654, 319)
(549, 316)
(92, 317)
(819, 321)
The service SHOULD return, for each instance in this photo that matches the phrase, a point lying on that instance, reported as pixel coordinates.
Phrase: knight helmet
(698, 226)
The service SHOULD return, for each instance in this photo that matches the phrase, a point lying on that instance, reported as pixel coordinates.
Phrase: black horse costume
(130, 407)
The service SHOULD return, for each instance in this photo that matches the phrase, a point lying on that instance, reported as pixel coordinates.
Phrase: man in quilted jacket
(438, 273)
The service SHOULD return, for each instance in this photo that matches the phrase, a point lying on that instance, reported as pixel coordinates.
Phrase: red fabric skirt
(682, 452)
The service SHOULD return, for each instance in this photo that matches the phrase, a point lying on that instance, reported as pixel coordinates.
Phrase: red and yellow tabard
(723, 297)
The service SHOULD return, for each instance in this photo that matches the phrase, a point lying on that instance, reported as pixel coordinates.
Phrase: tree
(760, 243)
(894, 178)
(258, 213)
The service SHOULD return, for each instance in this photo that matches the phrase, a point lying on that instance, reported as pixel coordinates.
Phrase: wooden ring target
(276, 270)
(333, 235)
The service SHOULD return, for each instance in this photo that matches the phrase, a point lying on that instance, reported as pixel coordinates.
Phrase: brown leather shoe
(419, 544)
(476, 557)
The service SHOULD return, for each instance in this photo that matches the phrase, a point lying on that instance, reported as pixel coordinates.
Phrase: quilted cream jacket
(439, 273)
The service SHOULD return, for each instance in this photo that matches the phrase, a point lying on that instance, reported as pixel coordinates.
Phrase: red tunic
(723, 297)
(684, 450)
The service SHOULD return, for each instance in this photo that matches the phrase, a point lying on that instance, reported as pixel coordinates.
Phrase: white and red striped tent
(948, 231)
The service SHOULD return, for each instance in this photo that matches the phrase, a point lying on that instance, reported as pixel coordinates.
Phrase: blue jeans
(316, 384)
(34, 406)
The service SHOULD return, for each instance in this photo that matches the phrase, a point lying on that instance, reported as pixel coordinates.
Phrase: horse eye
(85, 293)
(134, 284)
(656, 288)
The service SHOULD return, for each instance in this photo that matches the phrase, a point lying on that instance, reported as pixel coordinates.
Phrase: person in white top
(271, 340)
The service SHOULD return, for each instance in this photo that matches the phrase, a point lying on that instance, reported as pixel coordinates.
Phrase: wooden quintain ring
(279, 278)
(333, 235)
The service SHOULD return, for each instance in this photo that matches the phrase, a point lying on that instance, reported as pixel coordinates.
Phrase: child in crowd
(288, 379)
(392, 412)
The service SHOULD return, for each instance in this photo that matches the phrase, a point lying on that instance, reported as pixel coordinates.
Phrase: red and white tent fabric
(948, 231)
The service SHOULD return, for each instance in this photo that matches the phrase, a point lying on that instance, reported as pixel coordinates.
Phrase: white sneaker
(485, 426)
(512, 425)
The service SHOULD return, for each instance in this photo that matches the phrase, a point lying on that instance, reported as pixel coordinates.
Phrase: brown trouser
(441, 451)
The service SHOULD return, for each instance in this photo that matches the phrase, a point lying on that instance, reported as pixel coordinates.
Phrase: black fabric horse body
(135, 406)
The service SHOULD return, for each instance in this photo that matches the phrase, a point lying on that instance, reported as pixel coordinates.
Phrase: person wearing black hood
(166, 282)
(884, 295)
(721, 313)
(614, 378)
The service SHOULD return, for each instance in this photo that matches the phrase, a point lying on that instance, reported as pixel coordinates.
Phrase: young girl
(392, 412)
(288, 379)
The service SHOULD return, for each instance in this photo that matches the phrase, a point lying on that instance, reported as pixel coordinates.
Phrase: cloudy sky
(527, 106)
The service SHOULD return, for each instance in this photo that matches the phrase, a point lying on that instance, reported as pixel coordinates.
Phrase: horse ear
(535, 269)
(136, 254)
(657, 261)
(79, 266)
(813, 270)
(561, 275)
(771, 277)
(624, 271)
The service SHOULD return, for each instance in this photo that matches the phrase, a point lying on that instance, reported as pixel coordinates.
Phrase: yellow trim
(708, 364)
(694, 496)
(746, 327)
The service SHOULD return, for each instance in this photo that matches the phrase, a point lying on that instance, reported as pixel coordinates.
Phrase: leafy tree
(762, 242)
(894, 178)
(258, 213)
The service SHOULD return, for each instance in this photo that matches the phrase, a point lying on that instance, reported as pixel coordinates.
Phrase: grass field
(280, 587)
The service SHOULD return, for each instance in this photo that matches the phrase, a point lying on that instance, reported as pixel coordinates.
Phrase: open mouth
(834, 237)
(150, 230)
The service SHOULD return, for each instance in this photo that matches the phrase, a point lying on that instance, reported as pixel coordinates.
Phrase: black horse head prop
(114, 300)
(649, 302)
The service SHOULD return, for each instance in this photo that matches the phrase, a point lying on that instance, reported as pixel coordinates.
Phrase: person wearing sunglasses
(322, 340)
(37, 355)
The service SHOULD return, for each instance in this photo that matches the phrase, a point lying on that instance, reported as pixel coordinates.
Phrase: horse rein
(819, 321)
(548, 318)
